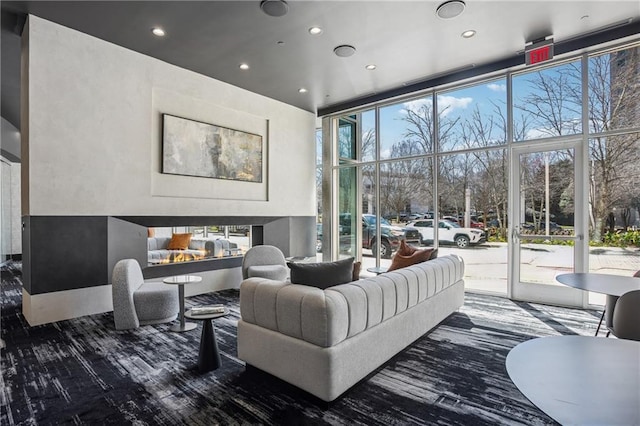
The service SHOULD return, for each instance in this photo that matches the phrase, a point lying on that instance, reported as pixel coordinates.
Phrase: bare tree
(419, 139)
(491, 185)
(554, 102)
(319, 174)
(614, 96)
(404, 180)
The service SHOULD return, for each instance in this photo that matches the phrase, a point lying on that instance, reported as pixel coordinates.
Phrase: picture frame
(195, 148)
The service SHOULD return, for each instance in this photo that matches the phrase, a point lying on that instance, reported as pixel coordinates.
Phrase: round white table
(613, 286)
(180, 281)
(580, 380)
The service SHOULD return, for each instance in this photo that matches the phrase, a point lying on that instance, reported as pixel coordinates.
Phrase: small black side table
(208, 357)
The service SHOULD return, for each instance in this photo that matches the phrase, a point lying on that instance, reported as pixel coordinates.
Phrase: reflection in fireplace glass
(194, 243)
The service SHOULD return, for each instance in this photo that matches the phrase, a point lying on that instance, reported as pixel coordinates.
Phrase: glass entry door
(546, 198)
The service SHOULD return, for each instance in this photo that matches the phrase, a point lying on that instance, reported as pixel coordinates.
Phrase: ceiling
(406, 40)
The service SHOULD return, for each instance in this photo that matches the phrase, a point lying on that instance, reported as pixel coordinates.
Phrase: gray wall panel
(66, 252)
(125, 240)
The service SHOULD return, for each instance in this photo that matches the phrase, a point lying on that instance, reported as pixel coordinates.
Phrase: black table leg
(209, 357)
(600, 323)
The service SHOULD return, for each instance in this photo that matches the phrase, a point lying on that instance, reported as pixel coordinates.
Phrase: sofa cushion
(407, 256)
(155, 300)
(179, 241)
(158, 243)
(322, 274)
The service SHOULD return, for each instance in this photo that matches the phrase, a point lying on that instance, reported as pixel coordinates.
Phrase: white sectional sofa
(325, 341)
(157, 250)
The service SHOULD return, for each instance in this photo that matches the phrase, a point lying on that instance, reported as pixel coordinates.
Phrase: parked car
(345, 240)
(555, 226)
(448, 232)
(476, 224)
(473, 223)
(451, 219)
(390, 235)
(318, 237)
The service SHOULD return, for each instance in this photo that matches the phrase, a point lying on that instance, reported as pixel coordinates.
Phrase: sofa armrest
(303, 312)
(259, 295)
(158, 243)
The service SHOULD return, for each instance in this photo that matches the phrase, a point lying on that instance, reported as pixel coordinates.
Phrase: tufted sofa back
(327, 317)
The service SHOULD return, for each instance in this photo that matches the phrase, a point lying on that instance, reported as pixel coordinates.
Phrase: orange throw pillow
(151, 232)
(179, 242)
(407, 256)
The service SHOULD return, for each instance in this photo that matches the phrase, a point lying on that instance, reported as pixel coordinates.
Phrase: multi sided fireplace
(166, 245)
(55, 257)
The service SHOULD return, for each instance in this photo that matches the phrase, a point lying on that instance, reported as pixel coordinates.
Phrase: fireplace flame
(177, 257)
(183, 257)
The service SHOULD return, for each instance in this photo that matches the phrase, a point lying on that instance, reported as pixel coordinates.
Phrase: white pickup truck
(448, 232)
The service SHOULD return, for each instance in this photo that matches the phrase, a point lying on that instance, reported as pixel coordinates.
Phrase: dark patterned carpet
(83, 371)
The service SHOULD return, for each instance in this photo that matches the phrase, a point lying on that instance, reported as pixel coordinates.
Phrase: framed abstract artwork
(194, 148)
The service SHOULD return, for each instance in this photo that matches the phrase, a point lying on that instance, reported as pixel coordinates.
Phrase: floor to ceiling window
(319, 194)
(565, 134)
(614, 163)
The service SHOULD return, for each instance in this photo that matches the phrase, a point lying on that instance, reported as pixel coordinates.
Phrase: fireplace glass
(194, 243)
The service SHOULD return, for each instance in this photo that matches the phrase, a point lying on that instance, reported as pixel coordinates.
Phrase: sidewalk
(486, 265)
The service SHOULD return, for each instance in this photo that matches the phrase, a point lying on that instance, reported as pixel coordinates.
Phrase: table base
(188, 326)
(209, 356)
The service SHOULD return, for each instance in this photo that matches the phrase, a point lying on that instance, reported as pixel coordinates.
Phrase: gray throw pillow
(322, 274)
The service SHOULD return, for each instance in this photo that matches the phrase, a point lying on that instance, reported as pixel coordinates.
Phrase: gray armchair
(138, 303)
(609, 308)
(626, 316)
(264, 262)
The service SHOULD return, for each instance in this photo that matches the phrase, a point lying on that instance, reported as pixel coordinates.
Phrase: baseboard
(63, 305)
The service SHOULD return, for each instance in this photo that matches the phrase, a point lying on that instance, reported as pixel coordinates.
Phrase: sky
(458, 103)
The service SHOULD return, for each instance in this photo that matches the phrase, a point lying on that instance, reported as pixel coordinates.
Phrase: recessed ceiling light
(274, 7)
(370, 67)
(315, 30)
(244, 66)
(157, 31)
(450, 9)
(584, 17)
(344, 50)
(468, 33)
(280, 43)
(302, 90)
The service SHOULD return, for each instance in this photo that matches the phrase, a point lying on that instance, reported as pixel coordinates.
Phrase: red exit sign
(539, 52)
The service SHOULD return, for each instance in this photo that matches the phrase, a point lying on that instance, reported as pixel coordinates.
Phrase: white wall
(94, 139)
(11, 223)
